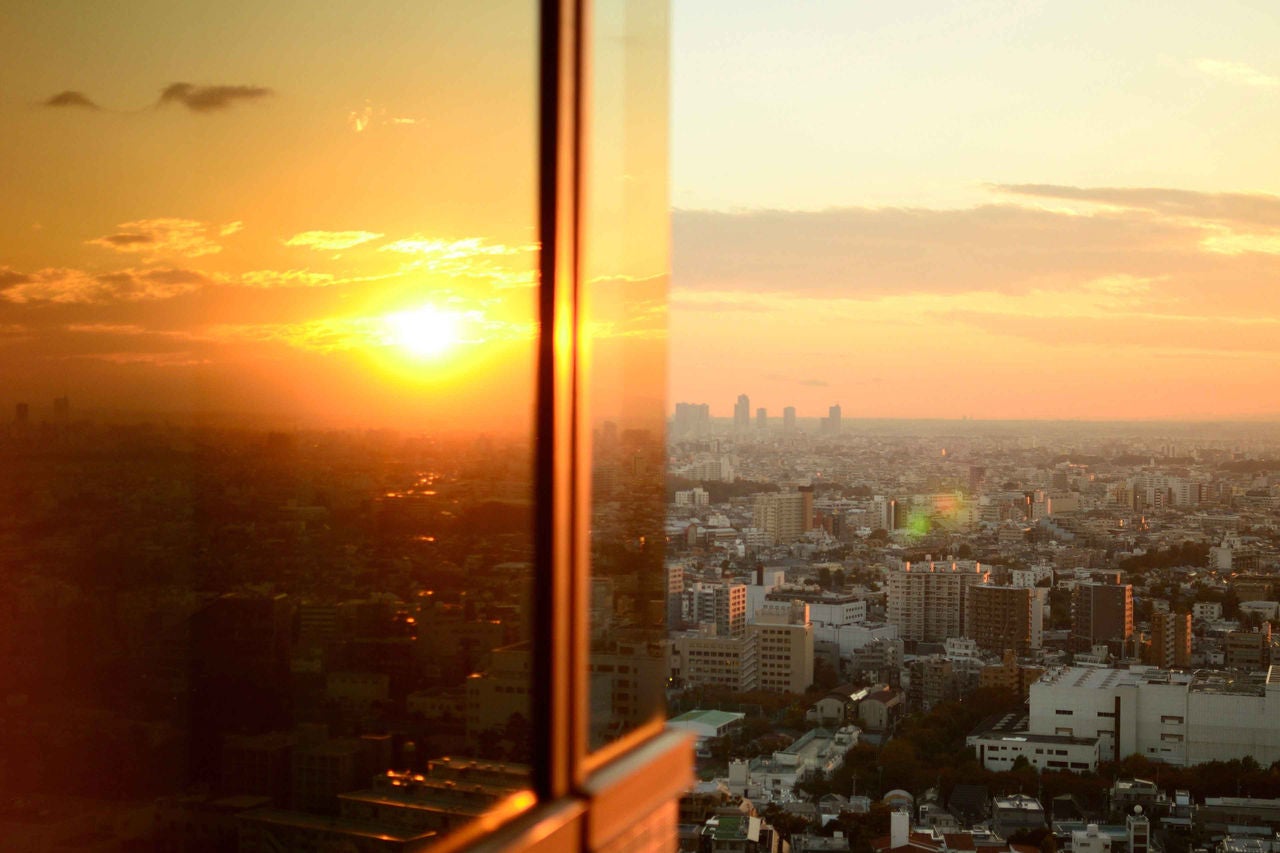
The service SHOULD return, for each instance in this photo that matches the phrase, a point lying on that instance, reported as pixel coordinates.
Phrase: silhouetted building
(1000, 618)
(1102, 613)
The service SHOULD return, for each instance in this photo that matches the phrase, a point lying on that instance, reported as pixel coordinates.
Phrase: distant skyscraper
(789, 419)
(691, 419)
(742, 413)
(762, 418)
(833, 418)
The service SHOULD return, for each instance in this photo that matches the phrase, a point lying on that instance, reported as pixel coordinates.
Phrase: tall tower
(742, 413)
(762, 418)
(789, 419)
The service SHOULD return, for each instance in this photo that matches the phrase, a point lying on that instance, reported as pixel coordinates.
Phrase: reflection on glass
(627, 257)
(267, 327)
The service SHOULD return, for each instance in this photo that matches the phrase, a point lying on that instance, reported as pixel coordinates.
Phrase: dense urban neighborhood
(917, 636)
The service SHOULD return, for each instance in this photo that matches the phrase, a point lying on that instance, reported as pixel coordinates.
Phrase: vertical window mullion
(559, 659)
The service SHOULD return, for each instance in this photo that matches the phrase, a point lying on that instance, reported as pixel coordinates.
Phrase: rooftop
(708, 718)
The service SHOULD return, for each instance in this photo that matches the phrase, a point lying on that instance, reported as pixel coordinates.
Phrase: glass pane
(267, 328)
(627, 255)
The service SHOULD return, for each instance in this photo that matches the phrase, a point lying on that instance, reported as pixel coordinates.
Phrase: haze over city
(992, 210)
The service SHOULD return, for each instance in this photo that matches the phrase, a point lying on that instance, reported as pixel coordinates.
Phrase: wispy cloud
(71, 98)
(328, 241)
(367, 116)
(1140, 245)
(471, 257)
(1236, 72)
(163, 236)
(72, 286)
(1236, 243)
(304, 278)
(206, 99)
(286, 278)
(1254, 209)
(469, 247)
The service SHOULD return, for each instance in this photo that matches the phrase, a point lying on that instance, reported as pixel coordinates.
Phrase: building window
(332, 382)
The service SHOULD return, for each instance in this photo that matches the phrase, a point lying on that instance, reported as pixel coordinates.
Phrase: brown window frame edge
(583, 799)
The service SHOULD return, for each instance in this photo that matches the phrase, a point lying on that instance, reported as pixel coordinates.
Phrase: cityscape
(690, 428)
(1017, 631)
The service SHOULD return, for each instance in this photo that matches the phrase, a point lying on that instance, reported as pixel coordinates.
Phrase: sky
(276, 209)
(981, 209)
(969, 209)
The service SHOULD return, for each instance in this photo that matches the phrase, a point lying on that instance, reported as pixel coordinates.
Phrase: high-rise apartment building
(1170, 640)
(742, 413)
(1102, 613)
(784, 516)
(723, 605)
(762, 418)
(1000, 618)
(789, 419)
(930, 602)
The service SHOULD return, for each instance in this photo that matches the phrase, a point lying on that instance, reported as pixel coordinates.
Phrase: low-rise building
(1016, 813)
(1175, 717)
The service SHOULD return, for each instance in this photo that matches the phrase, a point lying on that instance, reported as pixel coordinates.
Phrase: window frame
(582, 799)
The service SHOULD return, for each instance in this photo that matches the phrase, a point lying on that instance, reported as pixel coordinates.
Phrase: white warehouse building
(1179, 718)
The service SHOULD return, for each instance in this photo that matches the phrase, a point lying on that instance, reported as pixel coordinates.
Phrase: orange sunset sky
(278, 208)
(983, 209)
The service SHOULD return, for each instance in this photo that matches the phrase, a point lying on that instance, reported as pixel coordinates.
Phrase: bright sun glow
(425, 331)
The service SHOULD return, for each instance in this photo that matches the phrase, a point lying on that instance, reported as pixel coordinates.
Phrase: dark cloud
(1242, 208)
(165, 235)
(76, 287)
(204, 99)
(9, 277)
(128, 239)
(71, 98)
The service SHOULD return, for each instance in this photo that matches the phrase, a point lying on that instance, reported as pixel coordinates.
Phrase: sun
(425, 331)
